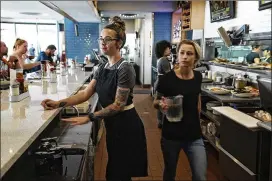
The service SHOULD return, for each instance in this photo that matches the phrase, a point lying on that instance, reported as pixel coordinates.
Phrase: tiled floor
(143, 104)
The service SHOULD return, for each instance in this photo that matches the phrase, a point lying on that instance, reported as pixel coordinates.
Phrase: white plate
(243, 95)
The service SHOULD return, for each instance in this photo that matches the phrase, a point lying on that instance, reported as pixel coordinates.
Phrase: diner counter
(22, 122)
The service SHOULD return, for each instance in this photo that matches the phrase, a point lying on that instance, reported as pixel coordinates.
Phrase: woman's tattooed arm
(118, 105)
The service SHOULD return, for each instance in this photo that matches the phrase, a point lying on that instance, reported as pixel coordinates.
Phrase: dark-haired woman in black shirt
(185, 134)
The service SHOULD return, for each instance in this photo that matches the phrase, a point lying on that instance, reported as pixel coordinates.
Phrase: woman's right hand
(164, 107)
(49, 104)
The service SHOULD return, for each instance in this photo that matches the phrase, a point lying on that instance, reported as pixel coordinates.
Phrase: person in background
(3, 53)
(162, 51)
(254, 55)
(114, 82)
(46, 56)
(267, 54)
(31, 51)
(185, 134)
(20, 50)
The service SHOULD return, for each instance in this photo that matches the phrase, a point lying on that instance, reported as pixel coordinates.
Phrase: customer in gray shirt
(162, 50)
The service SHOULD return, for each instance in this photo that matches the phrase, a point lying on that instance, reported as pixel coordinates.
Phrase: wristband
(93, 117)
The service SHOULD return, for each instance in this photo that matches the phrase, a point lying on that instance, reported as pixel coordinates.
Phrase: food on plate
(269, 66)
(263, 115)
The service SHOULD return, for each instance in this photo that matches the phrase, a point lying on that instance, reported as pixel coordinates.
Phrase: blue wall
(80, 45)
(162, 31)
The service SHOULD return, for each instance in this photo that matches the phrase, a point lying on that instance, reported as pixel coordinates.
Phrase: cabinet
(193, 14)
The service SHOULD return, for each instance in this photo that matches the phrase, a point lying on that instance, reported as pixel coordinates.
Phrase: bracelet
(93, 117)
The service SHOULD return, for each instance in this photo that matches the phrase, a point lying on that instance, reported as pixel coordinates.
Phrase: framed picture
(222, 10)
(265, 5)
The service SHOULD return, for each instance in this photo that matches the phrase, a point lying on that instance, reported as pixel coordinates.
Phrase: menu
(222, 10)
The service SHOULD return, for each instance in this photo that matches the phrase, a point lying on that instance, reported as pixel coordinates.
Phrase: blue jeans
(195, 151)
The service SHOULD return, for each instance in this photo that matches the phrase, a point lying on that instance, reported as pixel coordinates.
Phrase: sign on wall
(222, 10)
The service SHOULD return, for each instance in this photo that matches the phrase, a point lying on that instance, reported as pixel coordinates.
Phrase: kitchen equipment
(239, 82)
(209, 74)
(218, 79)
(211, 104)
(174, 113)
(264, 85)
(69, 169)
(211, 129)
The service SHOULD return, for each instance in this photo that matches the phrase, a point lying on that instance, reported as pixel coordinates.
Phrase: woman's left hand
(77, 120)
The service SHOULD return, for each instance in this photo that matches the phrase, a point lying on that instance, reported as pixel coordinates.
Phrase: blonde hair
(18, 42)
(194, 44)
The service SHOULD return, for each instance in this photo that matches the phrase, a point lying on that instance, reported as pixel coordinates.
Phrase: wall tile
(80, 45)
(162, 30)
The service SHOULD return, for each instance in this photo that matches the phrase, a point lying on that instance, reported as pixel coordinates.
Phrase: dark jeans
(195, 152)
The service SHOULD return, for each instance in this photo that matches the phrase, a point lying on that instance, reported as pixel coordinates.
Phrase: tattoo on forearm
(118, 105)
(62, 104)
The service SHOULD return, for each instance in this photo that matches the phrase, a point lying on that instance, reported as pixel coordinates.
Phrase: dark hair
(255, 46)
(51, 47)
(160, 48)
(119, 26)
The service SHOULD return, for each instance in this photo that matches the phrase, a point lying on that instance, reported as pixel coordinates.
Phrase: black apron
(125, 134)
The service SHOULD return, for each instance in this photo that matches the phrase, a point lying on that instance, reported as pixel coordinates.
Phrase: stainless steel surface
(236, 161)
(265, 125)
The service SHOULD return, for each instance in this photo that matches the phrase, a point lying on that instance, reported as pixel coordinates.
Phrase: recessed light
(30, 13)
(102, 14)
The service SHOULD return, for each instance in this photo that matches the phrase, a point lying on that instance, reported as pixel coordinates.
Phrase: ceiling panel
(35, 11)
(81, 11)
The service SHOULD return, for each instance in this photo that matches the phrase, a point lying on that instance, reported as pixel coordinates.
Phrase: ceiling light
(102, 14)
(30, 13)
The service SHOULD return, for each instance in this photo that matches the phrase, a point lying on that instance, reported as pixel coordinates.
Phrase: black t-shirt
(189, 127)
(251, 56)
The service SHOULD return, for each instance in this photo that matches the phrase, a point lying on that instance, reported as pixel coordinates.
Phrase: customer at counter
(20, 50)
(114, 82)
(46, 56)
(267, 54)
(162, 50)
(186, 133)
(254, 55)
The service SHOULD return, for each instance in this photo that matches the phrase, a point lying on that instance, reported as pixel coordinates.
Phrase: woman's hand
(77, 120)
(49, 104)
(163, 105)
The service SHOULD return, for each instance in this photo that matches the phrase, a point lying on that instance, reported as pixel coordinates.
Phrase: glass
(19, 74)
(47, 35)
(27, 32)
(8, 35)
(106, 40)
(174, 113)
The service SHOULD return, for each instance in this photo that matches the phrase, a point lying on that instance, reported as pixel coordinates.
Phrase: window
(47, 35)
(27, 32)
(8, 35)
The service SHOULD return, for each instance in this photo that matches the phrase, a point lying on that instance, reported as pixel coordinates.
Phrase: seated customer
(46, 56)
(20, 49)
